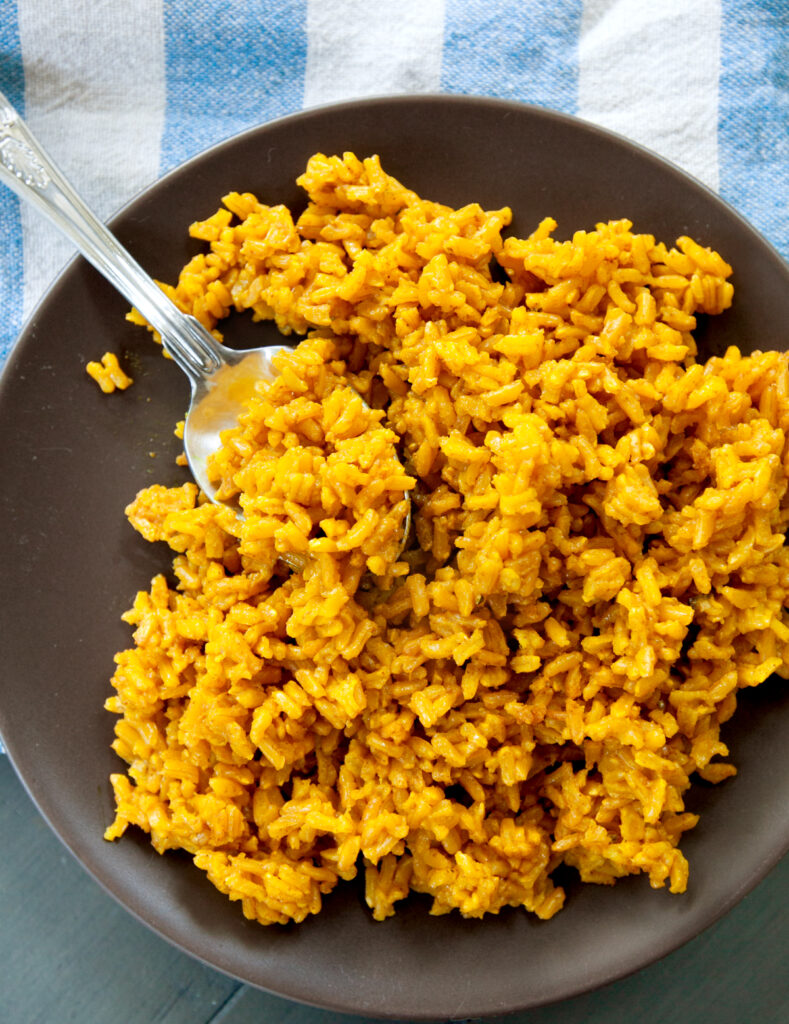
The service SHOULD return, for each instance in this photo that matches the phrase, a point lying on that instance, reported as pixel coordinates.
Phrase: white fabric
(650, 70)
(95, 97)
(358, 48)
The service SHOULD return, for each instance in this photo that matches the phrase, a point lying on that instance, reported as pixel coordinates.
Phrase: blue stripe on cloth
(12, 82)
(753, 133)
(228, 67)
(526, 52)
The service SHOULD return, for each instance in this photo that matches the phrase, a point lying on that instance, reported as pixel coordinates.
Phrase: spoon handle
(28, 170)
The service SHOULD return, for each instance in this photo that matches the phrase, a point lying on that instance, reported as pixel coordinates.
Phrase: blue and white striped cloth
(120, 92)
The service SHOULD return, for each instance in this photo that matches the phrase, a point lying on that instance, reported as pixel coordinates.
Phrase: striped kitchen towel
(121, 92)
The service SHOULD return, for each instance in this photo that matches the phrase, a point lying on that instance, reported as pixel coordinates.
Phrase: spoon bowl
(217, 399)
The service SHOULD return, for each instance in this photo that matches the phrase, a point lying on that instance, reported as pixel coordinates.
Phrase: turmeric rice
(108, 374)
(595, 567)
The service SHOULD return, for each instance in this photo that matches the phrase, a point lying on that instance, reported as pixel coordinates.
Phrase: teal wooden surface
(69, 954)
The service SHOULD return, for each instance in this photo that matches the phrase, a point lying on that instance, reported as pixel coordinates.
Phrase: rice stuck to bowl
(594, 567)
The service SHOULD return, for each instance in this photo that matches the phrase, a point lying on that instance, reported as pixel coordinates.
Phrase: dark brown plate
(72, 458)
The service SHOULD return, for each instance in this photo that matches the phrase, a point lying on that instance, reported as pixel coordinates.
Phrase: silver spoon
(221, 379)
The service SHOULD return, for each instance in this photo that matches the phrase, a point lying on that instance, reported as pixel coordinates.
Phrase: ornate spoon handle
(27, 169)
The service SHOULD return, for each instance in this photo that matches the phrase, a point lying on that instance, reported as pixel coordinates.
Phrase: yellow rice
(596, 564)
(108, 374)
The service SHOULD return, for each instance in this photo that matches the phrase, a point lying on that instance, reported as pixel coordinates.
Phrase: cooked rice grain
(108, 374)
(596, 565)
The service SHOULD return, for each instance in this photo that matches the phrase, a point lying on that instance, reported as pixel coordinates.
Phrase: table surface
(70, 953)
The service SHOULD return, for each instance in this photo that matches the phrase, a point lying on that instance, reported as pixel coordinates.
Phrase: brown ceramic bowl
(72, 458)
